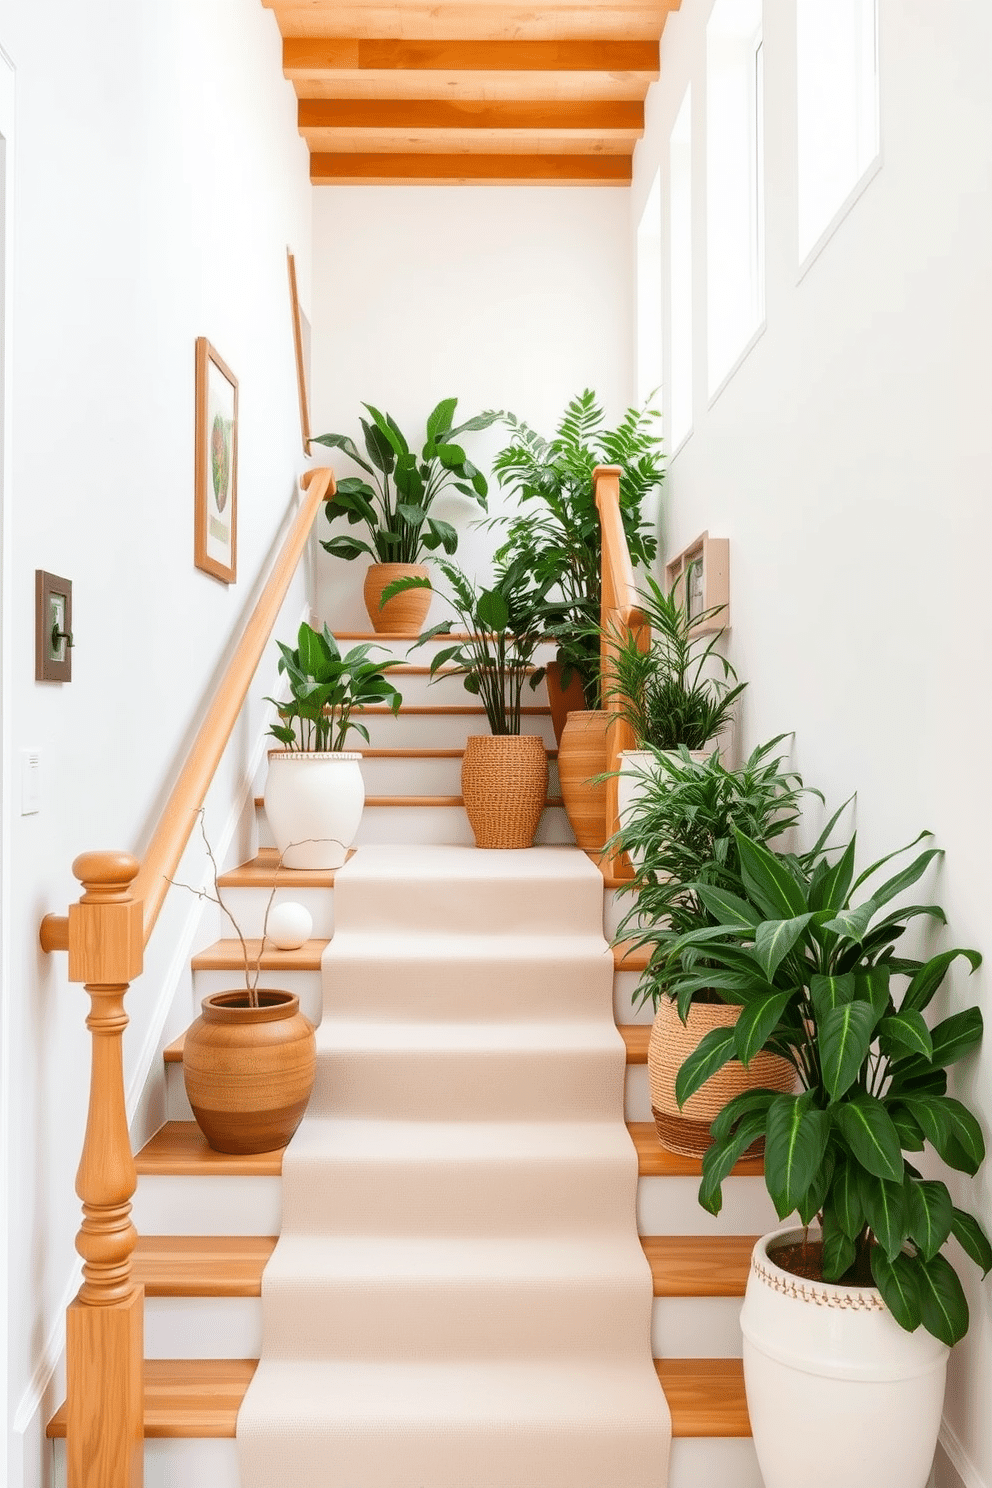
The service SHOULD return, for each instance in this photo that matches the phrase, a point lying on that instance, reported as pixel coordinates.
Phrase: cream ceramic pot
(314, 802)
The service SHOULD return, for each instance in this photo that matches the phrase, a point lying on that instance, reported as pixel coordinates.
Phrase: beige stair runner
(458, 1298)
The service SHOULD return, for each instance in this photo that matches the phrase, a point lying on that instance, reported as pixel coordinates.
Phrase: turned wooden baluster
(104, 1325)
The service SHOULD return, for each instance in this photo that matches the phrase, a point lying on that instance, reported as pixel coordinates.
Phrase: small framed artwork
(215, 487)
(52, 627)
(301, 342)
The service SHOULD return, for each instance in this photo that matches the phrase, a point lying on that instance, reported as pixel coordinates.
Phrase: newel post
(105, 1324)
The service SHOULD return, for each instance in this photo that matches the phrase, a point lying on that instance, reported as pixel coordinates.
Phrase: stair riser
(253, 1206)
(694, 1463)
(423, 777)
(445, 824)
(438, 730)
(624, 986)
(231, 1328)
(248, 907)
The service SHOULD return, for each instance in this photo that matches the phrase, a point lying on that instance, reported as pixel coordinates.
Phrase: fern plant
(557, 532)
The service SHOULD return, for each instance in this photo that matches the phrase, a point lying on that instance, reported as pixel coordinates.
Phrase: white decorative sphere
(289, 925)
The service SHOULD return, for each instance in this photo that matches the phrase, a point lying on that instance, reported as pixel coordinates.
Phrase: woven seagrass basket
(504, 787)
(687, 1131)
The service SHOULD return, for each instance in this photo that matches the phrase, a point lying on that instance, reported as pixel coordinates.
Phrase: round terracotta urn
(405, 613)
(581, 757)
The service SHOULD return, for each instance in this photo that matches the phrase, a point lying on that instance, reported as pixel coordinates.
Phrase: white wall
(513, 298)
(848, 462)
(159, 180)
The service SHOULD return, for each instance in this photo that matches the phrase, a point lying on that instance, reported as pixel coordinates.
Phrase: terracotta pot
(687, 1130)
(504, 787)
(249, 1071)
(581, 755)
(404, 614)
(562, 702)
(314, 802)
(834, 1384)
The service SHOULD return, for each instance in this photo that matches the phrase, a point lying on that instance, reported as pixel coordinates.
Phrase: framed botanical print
(215, 487)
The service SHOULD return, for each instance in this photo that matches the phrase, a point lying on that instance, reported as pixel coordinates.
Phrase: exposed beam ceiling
(458, 91)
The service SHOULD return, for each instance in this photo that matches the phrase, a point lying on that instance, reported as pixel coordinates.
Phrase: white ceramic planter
(837, 1392)
(314, 805)
(642, 763)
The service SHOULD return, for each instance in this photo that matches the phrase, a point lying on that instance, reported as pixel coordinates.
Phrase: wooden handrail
(620, 615)
(179, 814)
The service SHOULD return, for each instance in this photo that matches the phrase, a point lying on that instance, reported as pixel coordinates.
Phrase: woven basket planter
(581, 756)
(405, 613)
(687, 1130)
(504, 787)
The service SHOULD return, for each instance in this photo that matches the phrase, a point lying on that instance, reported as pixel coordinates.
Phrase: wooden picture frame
(301, 344)
(52, 627)
(215, 485)
(706, 565)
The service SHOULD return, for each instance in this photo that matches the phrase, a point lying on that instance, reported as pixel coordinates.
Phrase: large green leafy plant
(680, 835)
(325, 687)
(677, 690)
(557, 531)
(501, 625)
(394, 504)
(820, 982)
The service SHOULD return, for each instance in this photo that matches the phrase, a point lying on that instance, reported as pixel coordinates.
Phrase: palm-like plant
(557, 533)
(394, 505)
(325, 688)
(667, 692)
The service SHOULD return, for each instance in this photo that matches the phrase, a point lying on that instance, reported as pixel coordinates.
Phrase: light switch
(30, 781)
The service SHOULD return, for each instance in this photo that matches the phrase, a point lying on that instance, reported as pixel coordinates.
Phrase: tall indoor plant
(314, 793)
(869, 1305)
(680, 834)
(395, 504)
(505, 772)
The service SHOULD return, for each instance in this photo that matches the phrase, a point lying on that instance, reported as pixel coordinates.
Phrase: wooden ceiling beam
(306, 57)
(468, 169)
(515, 21)
(621, 116)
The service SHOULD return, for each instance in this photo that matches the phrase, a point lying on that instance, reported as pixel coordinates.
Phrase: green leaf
(833, 888)
(812, 1201)
(928, 1112)
(956, 1036)
(872, 987)
(452, 456)
(829, 992)
(415, 515)
(721, 1157)
(714, 1050)
(768, 882)
(885, 1212)
(846, 1198)
(727, 909)
(839, 1249)
(905, 1032)
(844, 1040)
(346, 547)
(441, 534)
(867, 1127)
(757, 1023)
(910, 1132)
(943, 1309)
(774, 939)
(492, 610)
(921, 989)
(929, 1215)
(898, 1282)
(796, 1140)
(439, 421)
(972, 1239)
(745, 1104)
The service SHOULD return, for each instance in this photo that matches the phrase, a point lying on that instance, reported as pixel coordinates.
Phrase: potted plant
(675, 692)
(557, 531)
(680, 834)
(250, 1058)
(505, 772)
(395, 505)
(314, 793)
(846, 1327)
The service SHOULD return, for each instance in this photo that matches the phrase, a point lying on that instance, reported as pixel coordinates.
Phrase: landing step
(179, 1149)
(201, 1397)
(202, 1265)
(635, 1035)
(265, 870)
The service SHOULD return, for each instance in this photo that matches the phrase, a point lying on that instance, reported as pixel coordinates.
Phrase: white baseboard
(952, 1467)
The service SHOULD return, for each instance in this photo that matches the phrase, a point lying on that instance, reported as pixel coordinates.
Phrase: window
(679, 400)
(734, 184)
(649, 294)
(837, 93)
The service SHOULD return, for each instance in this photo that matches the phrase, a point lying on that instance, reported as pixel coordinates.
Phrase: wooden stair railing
(619, 615)
(105, 935)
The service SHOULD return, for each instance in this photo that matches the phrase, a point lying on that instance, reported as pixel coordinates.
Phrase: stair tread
(628, 957)
(201, 1397)
(422, 754)
(202, 1265)
(699, 1265)
(226, 955)
(264, 870)
(423, 801)
(458, 709)
(179, 1149)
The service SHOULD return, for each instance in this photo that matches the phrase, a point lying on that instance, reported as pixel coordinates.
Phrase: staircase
(208, 1221)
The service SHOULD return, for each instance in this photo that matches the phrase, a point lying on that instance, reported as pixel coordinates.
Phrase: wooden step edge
(401, 635)
(614, 874)
(705, 1396)
(202, 1265)
(264, 871)
(201, 1397)
(444, 709)
(416, 754)
(445, 801)
(179, 1149)
(412, 669)
(226, 955)
(699, 1265)
(630, 957)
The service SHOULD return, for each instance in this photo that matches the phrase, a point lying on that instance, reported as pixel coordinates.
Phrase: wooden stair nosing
(699, 1265)
(179, 1149)
(264, 871)
(459, 710)
(201, 1397)
(226, 955)
(202, 1265)
(432, 801)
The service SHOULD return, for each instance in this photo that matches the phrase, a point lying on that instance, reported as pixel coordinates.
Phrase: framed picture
(301, 341)
(215, 487)
(52, 627)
